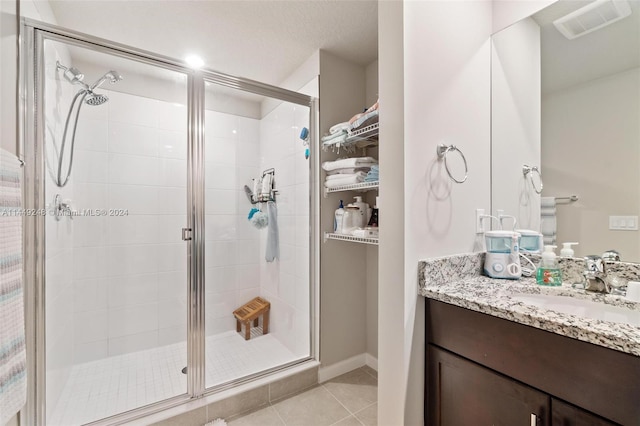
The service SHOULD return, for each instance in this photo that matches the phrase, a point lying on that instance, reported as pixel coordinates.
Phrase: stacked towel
(13, 365)
(374, 174)
(359, 162)
(548, 222)
(347, 171)
(335, 139)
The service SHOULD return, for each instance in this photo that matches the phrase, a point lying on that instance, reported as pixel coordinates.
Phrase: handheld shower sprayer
(85, 95)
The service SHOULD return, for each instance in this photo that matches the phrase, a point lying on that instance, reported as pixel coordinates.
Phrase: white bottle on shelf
(363, 212)
(338, 219)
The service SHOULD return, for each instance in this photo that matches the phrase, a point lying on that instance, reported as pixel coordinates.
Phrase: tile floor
(102, 388)
(347, 400)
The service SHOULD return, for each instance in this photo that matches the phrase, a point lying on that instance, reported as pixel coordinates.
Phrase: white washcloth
(548, 225)
(338, 127)
(350, 180)
(349, 171)
(548, 202)
(346, 176)
(13, 363)
(349, 162)
(547, 211)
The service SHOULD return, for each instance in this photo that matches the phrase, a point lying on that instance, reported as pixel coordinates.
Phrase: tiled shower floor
(102, 388)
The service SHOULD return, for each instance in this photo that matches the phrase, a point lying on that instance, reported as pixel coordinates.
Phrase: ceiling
(606, 51)
(263, 40)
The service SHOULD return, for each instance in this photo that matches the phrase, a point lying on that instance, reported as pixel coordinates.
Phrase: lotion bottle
(337, 221)
(567, 250)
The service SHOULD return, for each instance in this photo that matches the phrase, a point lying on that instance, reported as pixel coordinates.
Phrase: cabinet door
(564, 414)
(460, 392)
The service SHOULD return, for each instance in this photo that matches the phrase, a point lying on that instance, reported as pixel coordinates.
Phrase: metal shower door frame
(31, 147)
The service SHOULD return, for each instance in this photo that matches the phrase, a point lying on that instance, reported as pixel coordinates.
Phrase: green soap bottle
(548, 273)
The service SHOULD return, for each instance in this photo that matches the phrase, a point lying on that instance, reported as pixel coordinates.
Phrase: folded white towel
(346, 176)
(349, 162)
(548, 202)
(549, 241)
(338, 127)
(349, 171)
(349, 180)
(335, 137)
(547, 211)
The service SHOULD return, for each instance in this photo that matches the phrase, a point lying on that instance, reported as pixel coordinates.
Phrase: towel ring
(442, 151)
(528, 170)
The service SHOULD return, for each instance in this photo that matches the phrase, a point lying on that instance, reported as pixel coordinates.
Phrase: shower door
(144, 250)
(257, 239)
(112, 163)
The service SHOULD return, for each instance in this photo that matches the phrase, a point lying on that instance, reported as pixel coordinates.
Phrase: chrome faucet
(595, 276)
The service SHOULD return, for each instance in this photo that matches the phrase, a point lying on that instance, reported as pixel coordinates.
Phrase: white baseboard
(344, 366)
(371, 361)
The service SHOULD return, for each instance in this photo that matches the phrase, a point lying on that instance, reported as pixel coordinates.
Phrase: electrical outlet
(479, 221)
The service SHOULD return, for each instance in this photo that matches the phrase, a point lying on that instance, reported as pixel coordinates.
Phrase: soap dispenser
(548, 273)
(567, 250)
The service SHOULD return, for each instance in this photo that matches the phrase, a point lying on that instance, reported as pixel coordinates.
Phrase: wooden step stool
(251, 311)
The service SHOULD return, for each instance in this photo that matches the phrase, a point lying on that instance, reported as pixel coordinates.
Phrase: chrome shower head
(71, 74)
(112, 76)
(95, 99)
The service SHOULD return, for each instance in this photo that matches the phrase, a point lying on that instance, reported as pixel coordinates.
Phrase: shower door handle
(186, 234)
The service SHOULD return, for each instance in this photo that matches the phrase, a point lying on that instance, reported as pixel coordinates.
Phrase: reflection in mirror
(571, 107)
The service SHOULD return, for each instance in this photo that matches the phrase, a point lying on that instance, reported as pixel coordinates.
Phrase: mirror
(572, 108)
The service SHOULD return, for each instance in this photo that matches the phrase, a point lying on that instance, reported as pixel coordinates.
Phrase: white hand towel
(548, 202)
(349, 162)
(273, 238)
(547, 211)
(350, 180)
(346, 176)
(548, 225)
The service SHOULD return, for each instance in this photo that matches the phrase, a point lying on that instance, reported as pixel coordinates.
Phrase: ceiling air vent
(592, 17)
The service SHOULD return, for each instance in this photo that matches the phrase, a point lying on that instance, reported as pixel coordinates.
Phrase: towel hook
(442, 151)
(528, 170)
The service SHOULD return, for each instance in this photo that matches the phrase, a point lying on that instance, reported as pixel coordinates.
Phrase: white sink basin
(582, 308)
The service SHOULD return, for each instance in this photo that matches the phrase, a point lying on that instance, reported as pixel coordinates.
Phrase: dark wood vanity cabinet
(483, 370)
(464, 393)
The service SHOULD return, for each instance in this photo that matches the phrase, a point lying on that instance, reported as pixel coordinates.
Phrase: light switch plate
(623, 223)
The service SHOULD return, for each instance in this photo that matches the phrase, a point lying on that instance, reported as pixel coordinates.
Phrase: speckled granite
(458, 280)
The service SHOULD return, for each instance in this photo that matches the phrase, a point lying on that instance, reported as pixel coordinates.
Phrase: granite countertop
(458, 280)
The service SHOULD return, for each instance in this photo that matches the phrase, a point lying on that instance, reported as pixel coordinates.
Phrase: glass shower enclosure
(153, 230)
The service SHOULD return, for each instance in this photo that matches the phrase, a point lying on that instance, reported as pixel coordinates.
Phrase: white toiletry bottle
(350, 219)
(364, 207)
(567, 250)
(337, 221)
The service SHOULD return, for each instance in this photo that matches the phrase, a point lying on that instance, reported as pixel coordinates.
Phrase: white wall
(446, 99)
(515, 122)
(590, 148)
(392, 371)
(445, 51)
